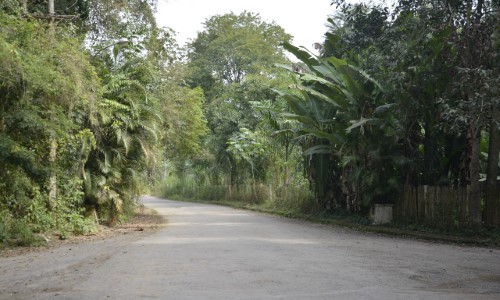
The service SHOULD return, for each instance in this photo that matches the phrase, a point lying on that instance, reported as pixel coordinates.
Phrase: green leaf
(359, 123)
(333, 138)
(383, 108)
(315, 93)
(318, 149)
(302, 54)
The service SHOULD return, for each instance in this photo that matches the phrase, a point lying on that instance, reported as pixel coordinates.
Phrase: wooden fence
(445, 207)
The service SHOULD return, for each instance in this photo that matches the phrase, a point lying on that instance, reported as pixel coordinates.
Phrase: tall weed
(295, 198)
(16, 232)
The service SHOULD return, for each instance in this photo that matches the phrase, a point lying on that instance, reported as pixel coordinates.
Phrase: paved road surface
(213, 252)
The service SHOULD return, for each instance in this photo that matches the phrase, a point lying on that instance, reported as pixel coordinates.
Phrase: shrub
(17, 232)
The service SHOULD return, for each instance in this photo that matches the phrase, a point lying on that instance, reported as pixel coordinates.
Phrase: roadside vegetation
(99, 105)
(85, 111)
(400, 108)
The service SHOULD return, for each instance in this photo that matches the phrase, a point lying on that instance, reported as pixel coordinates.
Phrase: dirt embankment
(145, 221)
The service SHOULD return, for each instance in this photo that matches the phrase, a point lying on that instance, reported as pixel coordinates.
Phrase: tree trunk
(479, 10)
(91, 213)
(52, 139)
(495, 37)
(286, 181)
(475, 195)
(234, 172)
(492, 192)
(51, 7)
(254, 184)
(430, 149)
(53, 177)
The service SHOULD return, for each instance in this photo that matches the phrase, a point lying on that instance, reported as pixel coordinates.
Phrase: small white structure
(381, 213)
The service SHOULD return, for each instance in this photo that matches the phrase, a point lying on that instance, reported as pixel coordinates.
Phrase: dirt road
(213, 252)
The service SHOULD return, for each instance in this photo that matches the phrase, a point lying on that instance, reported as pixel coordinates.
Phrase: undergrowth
(29, 218)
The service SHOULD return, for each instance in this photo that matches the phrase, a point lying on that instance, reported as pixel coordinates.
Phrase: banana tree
(344, 118)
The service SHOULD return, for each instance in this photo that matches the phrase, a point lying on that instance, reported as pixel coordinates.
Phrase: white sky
(304, 20)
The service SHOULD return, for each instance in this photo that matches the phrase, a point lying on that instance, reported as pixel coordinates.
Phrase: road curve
(214, 252)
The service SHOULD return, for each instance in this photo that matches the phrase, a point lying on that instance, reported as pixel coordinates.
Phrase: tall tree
(229, 60)
(48, 84)
(339, 112)
(98, 114)
(437, 59)
(492, 189)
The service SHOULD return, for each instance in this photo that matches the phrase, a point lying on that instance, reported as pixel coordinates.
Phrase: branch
(52, 17)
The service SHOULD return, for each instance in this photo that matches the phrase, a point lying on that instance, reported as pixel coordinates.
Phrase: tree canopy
(232, 61)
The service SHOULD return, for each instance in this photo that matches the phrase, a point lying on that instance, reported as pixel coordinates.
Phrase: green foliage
(11, 153)
(47, 84)
(437, 64)
(234, 46)
(232, 61)
(101, 106)
(356, 29)
(245, 145)
(185, 121)
(293, 199)
(341, 113)
(296, 199)
(128, 127)
(16, 232)
(92, 124)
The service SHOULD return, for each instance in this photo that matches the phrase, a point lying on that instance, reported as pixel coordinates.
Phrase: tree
(185, 121)
(437, 61)
(281, 143)
(246, 146)
(233, 46)
(231, 60)
(492, 190)
(48, 84)
(339, 112)
(131, 55)
(97, 101)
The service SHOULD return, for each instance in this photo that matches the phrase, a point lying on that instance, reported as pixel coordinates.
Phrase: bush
(17, 232)
(79, 225)
(4, 228)
(22, 235)
(294, 198)
(37, 212)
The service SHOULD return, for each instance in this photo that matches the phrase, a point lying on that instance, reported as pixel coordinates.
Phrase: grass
(18, 233)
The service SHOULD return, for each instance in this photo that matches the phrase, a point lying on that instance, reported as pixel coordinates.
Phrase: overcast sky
(304, 20)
